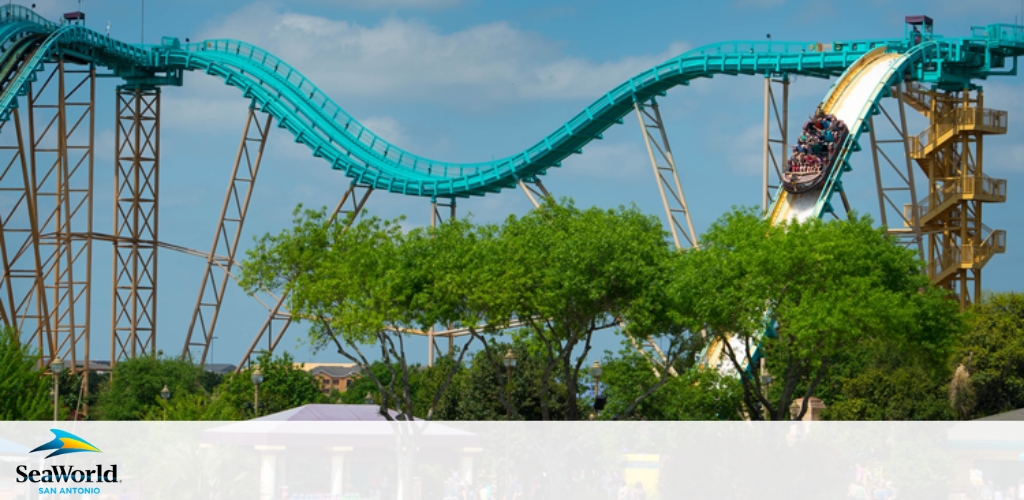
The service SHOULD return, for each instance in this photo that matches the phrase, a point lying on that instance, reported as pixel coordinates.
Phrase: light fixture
(509, 360)
(257, 376)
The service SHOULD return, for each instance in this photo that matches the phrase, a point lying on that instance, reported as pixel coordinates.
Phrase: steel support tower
(221, 258)
(136, 228)
(950, 153)
(894, 171)
(776, 136)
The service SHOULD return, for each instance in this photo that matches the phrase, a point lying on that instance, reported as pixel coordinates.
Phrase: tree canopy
(567, 273)
(24, 391)
(832, 288)
(854, 322)
(560, 273)
(992, 351)
(284, 386)
(133, 390)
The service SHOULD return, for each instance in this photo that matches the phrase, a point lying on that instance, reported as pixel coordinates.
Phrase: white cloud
(387, 128)
(410, 59)
(744, 151)
(619, 161)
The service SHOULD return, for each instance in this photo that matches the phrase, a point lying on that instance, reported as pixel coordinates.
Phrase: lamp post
(257, 379)
(165, 393)
(766, 383)
(595, 372)
(510, 362)
(368, 399)
(56, 366)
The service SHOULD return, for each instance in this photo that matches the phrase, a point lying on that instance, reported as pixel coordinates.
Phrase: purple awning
(925, 20)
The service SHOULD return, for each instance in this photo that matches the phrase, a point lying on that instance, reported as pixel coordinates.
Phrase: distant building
(220, 368)
(332, 376)
(95, 365)
(101, 366)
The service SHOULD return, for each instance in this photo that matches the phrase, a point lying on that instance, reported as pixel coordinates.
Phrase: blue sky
(466, 80)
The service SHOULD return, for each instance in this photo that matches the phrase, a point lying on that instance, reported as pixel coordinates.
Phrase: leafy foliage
(480, 391)
(899, 393)
(24, 390)
(284, 386)
(574, 273)
(992, 350)
(195, 406)
(833, 288)
(133, 390)
(363, 286)
(692, 395)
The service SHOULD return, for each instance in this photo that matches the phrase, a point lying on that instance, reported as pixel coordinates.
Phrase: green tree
(24, 390)
(133, 390)
(194, 406)
(832, 288)
(285, 386)
(992, 350)
(893, 393)
(366, 286)
(692, 395)
(483, 390)
(566, 274)
(423, 382)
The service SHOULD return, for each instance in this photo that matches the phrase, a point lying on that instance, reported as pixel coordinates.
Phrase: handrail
(969, 254)
(329, 110)
(322, 115)
(955, 187)
(11, 12)
(955, 120)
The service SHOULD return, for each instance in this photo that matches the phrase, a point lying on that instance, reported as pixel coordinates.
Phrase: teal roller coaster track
(334, 135)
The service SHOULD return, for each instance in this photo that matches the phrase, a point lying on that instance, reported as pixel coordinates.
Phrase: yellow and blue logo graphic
(64, 443)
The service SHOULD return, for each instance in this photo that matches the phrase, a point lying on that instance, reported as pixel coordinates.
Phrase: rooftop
(335, 371)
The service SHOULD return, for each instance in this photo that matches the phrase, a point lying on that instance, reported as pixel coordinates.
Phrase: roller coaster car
(797, 181)
(802, 182)
(74, 16)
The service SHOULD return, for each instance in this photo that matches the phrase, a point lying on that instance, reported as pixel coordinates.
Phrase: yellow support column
(950, 152)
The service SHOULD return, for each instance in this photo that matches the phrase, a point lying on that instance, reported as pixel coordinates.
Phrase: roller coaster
(48, 72)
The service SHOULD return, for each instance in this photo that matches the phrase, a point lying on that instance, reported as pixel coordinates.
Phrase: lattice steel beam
(776, 148)
(60, 176)
(228, 232)
(437, 216)
(136, 228)
(436, 219)
(894, 174)
(535, 191)
(665, 173)
(23, 300)
(351, 204)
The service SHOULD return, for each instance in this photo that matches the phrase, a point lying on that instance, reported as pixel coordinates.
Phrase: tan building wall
(332, 376)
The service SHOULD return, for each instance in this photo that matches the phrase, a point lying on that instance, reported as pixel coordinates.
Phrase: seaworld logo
(64, 443)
